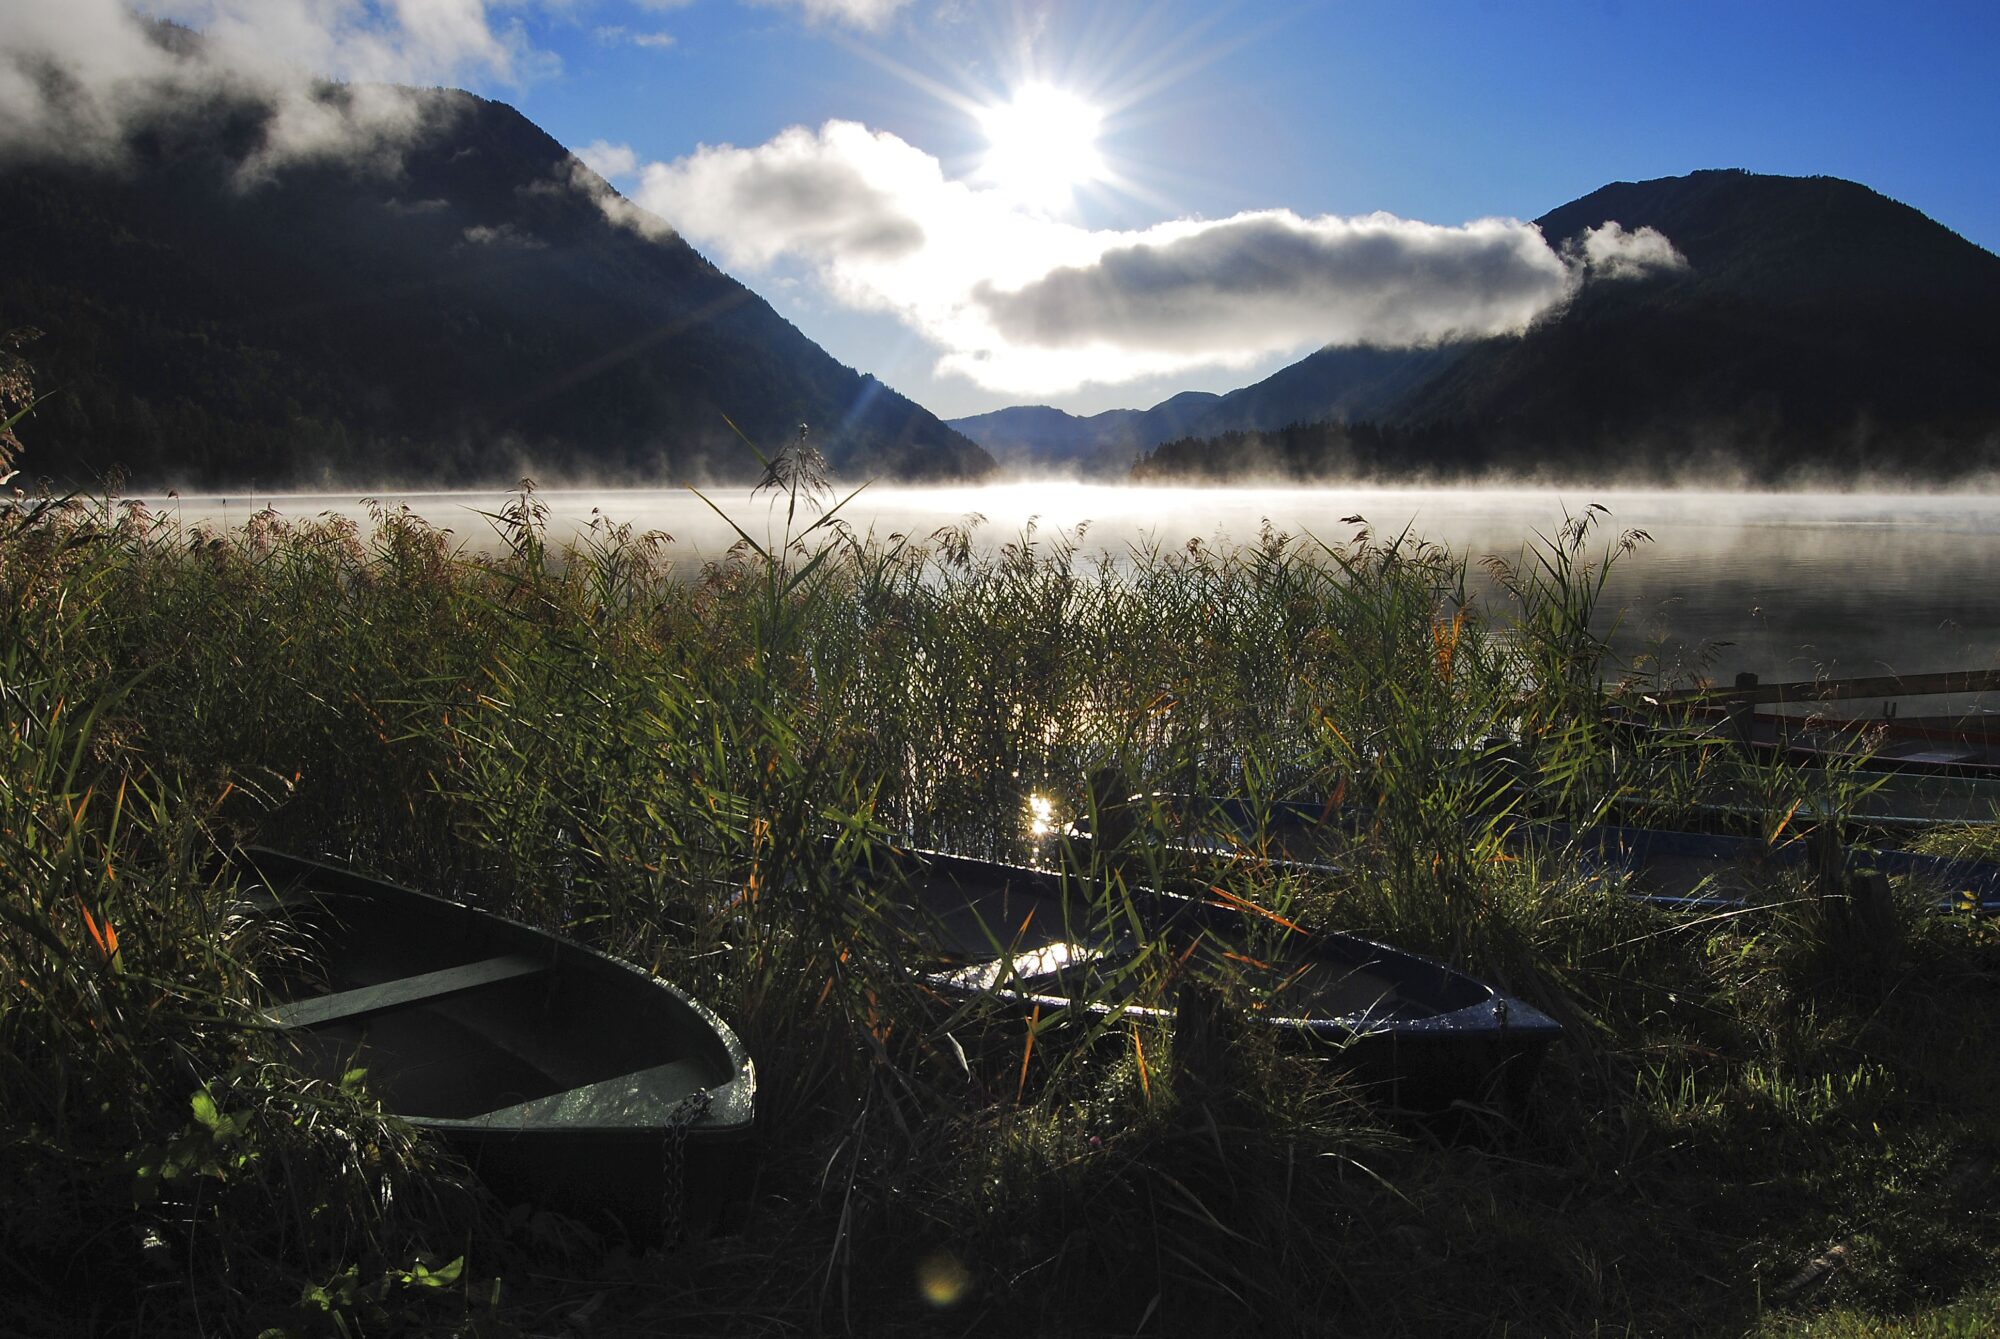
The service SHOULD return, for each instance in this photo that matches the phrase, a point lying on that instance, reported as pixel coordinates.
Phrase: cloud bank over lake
(1020, 301)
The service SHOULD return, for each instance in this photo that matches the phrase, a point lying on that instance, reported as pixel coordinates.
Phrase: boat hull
(565, 1078)
(1705, 871)
(1416, 1034)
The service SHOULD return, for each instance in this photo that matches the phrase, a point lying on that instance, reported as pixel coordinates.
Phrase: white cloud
(857, 13)
(1023, 303)
(609, 160)
(846, 197)
(504, 236)
(1274, 280)
(1613, 253)
(615, 33)
(73, 76)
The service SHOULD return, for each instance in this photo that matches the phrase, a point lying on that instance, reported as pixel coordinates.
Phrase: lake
(1786, 585)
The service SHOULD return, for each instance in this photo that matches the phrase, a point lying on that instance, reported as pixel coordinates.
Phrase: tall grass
(152, 1138)
(700, 773)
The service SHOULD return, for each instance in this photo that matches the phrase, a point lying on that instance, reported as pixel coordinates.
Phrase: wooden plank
(1835, 690)
(403, 992)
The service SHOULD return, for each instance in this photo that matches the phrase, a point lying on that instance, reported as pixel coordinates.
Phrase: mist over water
(1786, 585)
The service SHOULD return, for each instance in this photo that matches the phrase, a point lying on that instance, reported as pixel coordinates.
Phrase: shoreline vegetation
(1759, 1122)
(1456, 454)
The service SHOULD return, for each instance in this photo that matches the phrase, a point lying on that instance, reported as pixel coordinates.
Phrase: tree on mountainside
(17, 393)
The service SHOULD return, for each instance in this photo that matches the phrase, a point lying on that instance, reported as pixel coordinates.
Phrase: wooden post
(1741, 714)
(1857, 911)
(1112, 820)
(1201, 1042)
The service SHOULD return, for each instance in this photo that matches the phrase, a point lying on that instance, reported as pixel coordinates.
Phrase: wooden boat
(1423, 1036)
(1966, 744)
(1889, 801)
(1697, 870)
(1662, 866)
(563, 1076)
(1938, 747)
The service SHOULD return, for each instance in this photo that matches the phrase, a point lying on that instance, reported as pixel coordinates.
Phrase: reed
(698, 772)
(151, 1132)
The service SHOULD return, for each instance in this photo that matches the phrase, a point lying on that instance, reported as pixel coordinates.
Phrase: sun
(1041, 144)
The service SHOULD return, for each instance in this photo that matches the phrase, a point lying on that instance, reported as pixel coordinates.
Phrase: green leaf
(442, 1277)
(205, 1110)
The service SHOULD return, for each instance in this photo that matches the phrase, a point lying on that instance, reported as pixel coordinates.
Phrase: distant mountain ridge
(1030, 436)
(1818, 326)
(466, 318)
(1329, 385)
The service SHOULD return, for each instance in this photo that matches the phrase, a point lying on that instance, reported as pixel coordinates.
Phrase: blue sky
(1442, 113)
(833, 154)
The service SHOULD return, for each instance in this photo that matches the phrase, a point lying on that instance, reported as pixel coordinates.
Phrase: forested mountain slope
(463, 314)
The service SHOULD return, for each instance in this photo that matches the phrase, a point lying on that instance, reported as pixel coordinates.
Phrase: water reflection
(1783, 585)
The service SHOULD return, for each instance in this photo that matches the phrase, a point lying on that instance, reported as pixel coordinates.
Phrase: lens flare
(943, 1279)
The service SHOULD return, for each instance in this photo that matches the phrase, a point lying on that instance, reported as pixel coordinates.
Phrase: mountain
(466, 315)
(1331, 385)
(1041, 437)
(1340, 385)
(1817, 326)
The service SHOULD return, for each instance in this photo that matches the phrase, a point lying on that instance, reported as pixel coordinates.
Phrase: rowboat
(1965, 744)
(1935, 746)
(1701, 870)
(564, 1077)
(1417, 1034)
(1889, 801)
(1663, 866)
(1930, 745)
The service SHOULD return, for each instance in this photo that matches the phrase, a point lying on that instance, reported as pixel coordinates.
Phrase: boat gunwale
(1497, 1013)
(1780, 735)
(730, 1108)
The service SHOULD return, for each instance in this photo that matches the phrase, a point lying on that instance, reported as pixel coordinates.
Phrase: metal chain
(674, 1162)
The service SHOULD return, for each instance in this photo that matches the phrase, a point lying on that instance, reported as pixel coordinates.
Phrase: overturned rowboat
(565, 1077)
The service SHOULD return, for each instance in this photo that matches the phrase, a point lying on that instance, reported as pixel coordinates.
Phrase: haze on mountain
(1815, 328)
(461, 303)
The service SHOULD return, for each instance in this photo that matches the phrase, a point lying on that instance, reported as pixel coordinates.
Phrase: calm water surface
(1785, 585)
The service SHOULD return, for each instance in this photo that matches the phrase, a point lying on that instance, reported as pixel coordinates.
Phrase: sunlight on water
(1785, 585)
